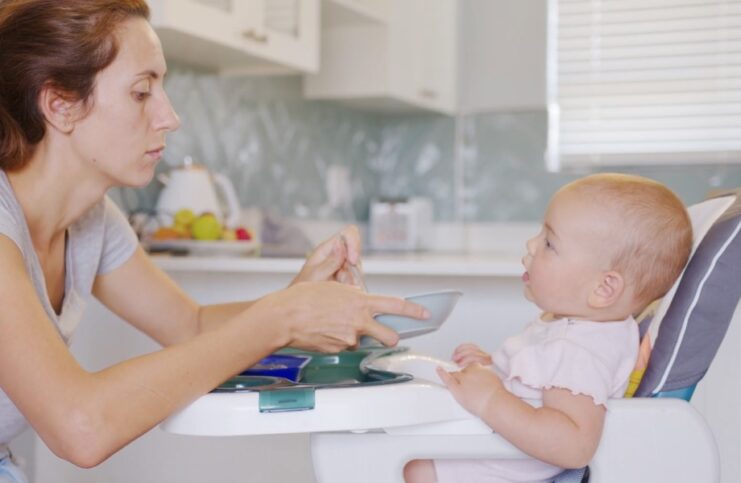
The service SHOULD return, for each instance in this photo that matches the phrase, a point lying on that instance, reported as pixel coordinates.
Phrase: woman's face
(122, 136)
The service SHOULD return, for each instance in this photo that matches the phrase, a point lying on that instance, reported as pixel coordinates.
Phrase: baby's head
(610, 244)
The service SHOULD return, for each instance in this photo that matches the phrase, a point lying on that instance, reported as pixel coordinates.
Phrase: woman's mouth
(525, 277)
(156, 154)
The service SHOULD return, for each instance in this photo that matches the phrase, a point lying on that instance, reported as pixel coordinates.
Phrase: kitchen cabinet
(240, 36)
(502, 55)
(404, 59)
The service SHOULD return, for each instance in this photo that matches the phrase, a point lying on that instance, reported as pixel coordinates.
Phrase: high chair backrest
(692, 319)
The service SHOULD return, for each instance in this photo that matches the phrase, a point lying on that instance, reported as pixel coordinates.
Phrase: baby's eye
(548, 243)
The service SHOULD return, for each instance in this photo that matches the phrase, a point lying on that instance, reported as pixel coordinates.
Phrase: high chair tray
(359, 390)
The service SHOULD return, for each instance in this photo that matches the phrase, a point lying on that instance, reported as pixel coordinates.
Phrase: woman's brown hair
(51, 43)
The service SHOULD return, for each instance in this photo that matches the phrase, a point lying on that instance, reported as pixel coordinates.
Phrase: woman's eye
(548, 243)
(140, 96)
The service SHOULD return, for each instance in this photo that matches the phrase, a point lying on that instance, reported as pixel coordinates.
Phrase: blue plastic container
(280, 365)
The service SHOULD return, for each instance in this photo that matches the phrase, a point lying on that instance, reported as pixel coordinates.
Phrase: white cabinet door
(406, 59)
(233, 36)
(424, 54)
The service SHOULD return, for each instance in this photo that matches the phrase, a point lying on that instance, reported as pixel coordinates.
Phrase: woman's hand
(467, 354)
(330, 260)
(331, 317)
(473, 387)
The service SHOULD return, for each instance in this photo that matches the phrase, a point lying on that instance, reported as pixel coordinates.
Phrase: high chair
(656, 436)
(365, 427)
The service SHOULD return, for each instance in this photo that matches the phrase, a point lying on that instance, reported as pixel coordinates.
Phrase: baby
(610, 244)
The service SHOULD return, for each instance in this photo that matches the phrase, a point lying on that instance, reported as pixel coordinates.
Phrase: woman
(82, 109)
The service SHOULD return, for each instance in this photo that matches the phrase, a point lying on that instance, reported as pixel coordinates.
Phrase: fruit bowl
(206, 248)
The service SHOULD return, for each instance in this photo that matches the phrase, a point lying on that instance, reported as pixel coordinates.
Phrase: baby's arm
(564, 432)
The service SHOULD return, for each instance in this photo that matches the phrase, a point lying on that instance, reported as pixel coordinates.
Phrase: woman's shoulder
(12, 223)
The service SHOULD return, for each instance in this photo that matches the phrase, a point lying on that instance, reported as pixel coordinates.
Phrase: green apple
(184, 217)
(206, 227)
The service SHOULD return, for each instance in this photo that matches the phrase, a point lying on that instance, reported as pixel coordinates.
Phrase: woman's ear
(608, 291)
(59, 110)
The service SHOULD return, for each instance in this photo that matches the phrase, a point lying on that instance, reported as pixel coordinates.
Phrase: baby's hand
(474, 387)
(467, 354)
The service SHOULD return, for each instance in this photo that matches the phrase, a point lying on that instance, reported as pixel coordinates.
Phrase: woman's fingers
(323, 263)
(351, 237)
(381, 333)
(329, 316)
(329, 258)
(383, 304)
(327, 268)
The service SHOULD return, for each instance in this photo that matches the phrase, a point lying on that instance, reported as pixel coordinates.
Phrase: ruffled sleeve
(559, 363)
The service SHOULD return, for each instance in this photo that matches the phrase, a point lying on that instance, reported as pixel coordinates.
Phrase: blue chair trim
(684, 393)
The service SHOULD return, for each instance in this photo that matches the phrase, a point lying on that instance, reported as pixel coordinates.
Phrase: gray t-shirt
(100, 241)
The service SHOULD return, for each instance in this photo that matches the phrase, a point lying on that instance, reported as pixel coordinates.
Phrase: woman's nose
(167, 119)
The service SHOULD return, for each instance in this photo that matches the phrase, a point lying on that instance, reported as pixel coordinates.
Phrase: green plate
(345, 369)
(251, 383)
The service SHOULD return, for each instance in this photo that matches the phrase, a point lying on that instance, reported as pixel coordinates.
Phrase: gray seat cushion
(701, 309)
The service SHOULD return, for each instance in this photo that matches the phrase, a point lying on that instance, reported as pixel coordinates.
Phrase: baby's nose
(530, 245)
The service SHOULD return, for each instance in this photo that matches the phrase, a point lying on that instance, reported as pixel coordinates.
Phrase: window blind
(644, 82)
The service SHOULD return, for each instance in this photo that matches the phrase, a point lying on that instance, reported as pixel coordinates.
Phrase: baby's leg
(420, 471)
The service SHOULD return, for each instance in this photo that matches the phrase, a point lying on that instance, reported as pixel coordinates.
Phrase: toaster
(400, 224)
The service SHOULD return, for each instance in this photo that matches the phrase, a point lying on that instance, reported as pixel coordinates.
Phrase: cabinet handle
(428, 93)
(255, 36)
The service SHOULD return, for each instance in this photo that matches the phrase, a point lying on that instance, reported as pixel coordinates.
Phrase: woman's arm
(564, 432)
(85, 417)
(143, 295)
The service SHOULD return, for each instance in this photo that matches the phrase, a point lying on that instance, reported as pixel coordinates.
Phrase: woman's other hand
(330, 260)
(331, 317)
(467, 354)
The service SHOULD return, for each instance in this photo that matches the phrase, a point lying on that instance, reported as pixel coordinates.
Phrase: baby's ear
(608, 291)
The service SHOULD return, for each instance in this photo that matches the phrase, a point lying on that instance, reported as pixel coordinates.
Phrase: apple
(184, 217)
(206, 227)
(243, 234)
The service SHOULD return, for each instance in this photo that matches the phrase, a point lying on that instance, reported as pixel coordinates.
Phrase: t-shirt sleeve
(9, 226)
(119, 239)
(564, 364)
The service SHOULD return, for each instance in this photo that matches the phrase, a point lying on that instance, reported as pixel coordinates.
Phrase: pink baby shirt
(585, 357)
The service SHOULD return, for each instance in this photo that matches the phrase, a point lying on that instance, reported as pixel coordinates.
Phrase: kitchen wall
(277, 148)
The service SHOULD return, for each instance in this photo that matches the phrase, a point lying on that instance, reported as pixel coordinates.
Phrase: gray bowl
(440, 305)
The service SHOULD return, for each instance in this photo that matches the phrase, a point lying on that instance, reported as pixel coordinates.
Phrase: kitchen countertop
(489, 264)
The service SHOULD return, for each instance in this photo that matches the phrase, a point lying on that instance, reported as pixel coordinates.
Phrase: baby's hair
(655, 230)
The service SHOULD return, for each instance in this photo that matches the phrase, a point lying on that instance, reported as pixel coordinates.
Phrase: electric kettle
(193, 187)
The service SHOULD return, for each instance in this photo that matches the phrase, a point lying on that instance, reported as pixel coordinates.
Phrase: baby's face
(566, 259)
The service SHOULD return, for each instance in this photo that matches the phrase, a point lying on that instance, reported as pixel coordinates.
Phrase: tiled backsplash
(277, 148)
